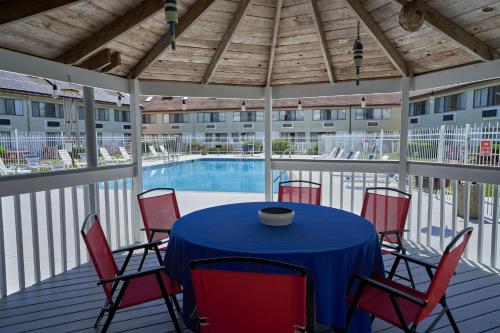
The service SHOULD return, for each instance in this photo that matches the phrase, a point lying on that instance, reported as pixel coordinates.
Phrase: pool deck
(70, 302)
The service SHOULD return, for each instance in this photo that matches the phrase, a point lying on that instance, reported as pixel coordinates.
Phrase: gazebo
(250, 50)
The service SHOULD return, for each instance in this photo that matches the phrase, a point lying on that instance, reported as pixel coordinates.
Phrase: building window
(216, 137)
(372, 114)
(210, 117)
(288, 115)
(81, 113)
(47, 110)
(320, 115)
(419, 108)
(487, 97)
(101, 114)
(11, 107)
(248, 116)
(149, 119)
(449, 103)
(122, 116)
(176, 118)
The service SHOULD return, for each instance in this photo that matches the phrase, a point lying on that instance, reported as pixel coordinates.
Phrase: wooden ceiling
(252, 42)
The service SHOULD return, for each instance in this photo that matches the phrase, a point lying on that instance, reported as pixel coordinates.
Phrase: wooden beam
(377, 34)
(322, 40)
(472, 44)
(277, 17)
(98, 61)
(185, 22)
(226, 40)
(103, 37)
(116, 61)
(16, 10)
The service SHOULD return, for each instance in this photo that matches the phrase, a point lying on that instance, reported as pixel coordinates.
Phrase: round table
(332, 244)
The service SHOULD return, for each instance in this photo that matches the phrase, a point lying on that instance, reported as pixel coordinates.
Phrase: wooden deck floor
(70, 302)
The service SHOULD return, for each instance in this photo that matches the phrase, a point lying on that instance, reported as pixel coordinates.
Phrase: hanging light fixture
(243, 106)
(119, 100)
(357, 51)
(299, 105)
(55, 94)
(70, 90)
(363, 102)
(184, 106)
(172, 18)
(410, 16)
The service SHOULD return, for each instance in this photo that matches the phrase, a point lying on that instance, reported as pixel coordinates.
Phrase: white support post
(135, 113)
(440, 153)
(268, 146)
(90, 141)
(403, 140)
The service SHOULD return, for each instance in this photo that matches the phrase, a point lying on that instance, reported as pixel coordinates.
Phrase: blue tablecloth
(333, 244)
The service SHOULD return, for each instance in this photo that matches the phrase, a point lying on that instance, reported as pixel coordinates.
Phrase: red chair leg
(170, 308)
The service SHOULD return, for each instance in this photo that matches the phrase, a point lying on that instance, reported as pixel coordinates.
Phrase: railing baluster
(117, 215)
(86, 211)
(125, 211)
(480, 231)
(454, 208)
(429, 211)
(419, 209)
(19, 241)
(50, 232)
(331, 189)
(410, 211)
(3, 271)
(494, 230)
(375, 182)
(107, 214)
(62, 223)
(97, 192)
(467, 212)
(34, 237)
(341, 190)
(76, 225)
(442, 224)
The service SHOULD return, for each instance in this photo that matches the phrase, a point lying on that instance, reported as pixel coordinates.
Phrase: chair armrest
(134, 275)
(160, 230)
(392, 291)
(138, 246)
(391, 232)
(414, 260)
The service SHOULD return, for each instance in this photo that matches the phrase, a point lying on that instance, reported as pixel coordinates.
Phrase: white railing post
(90, 142)
(17, 145)
(403, 140)
(440, 152)
(466, 143)
(268, 117)
(135, 113)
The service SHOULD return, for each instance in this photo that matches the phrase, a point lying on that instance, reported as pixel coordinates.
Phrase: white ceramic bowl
(276, 216)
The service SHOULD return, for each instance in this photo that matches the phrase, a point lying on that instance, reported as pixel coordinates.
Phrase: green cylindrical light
(172, 19)
(357, 51)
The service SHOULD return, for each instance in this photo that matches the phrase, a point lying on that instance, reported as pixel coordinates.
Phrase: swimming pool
(209, 174)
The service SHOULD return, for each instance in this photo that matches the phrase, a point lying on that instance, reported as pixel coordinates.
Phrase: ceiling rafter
(185, 22)
(98, 61)
(116, 61)
(471, 43)
(277, 18)
(322, 39)
(226, 40)
(377, 34)
(16, 10)
(106, 35)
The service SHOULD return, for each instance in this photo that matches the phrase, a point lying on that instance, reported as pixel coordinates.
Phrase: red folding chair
(300, 191)
(387, 209)
(159, 212)
(122, 289)
(403, 306)
(249, 302)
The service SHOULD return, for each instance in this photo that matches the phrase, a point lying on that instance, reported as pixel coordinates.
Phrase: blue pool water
(211, 175)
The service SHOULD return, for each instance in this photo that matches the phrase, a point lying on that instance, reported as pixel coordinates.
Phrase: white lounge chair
(108, 159)
(68, 161)
(330, 156)
(169, 154)
(340, 154)
(155, 154)
(356, 155)
(125, 154)
(12, 170)
(34, 163)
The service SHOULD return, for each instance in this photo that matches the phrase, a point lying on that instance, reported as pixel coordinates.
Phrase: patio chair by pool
(4, 170)
(125, 154)
(155, 154)
(122, 289)
(159, 212)
(330, 156)
(34, 163)
(340, 154)
(249, 302)
(108, 159)
(67, 161)
(403, 306)
(304, 192)
(387, 209)
(168, 154)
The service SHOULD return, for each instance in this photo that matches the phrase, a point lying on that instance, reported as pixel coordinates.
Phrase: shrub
(197, 146)
(257, 145)
(280, 146)
(2, 150)
(313, 150)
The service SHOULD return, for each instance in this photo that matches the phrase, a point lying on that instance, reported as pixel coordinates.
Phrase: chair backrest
(99, 251)
(387, 208)
(105, 154)
(304, 192)
(153, 151)
(446, 268)
(356, 155)
(249, 302)
(349, 155)
(124, 153)
(2, 165)
(65, 157)
(333, 153)
(159, 209)
(32, 160)
(340, 154)
(163, 150)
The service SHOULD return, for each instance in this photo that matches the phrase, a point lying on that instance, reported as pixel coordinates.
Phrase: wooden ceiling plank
(377, 33)
(322, 39)
(277, 18)
(98, 61)
(120, 26)
(185, 22)
(226, 40)
(14, 11)
(471, 43)
(116, 61)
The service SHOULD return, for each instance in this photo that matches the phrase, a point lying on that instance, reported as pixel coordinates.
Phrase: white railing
(445, 199)
(41, 216)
